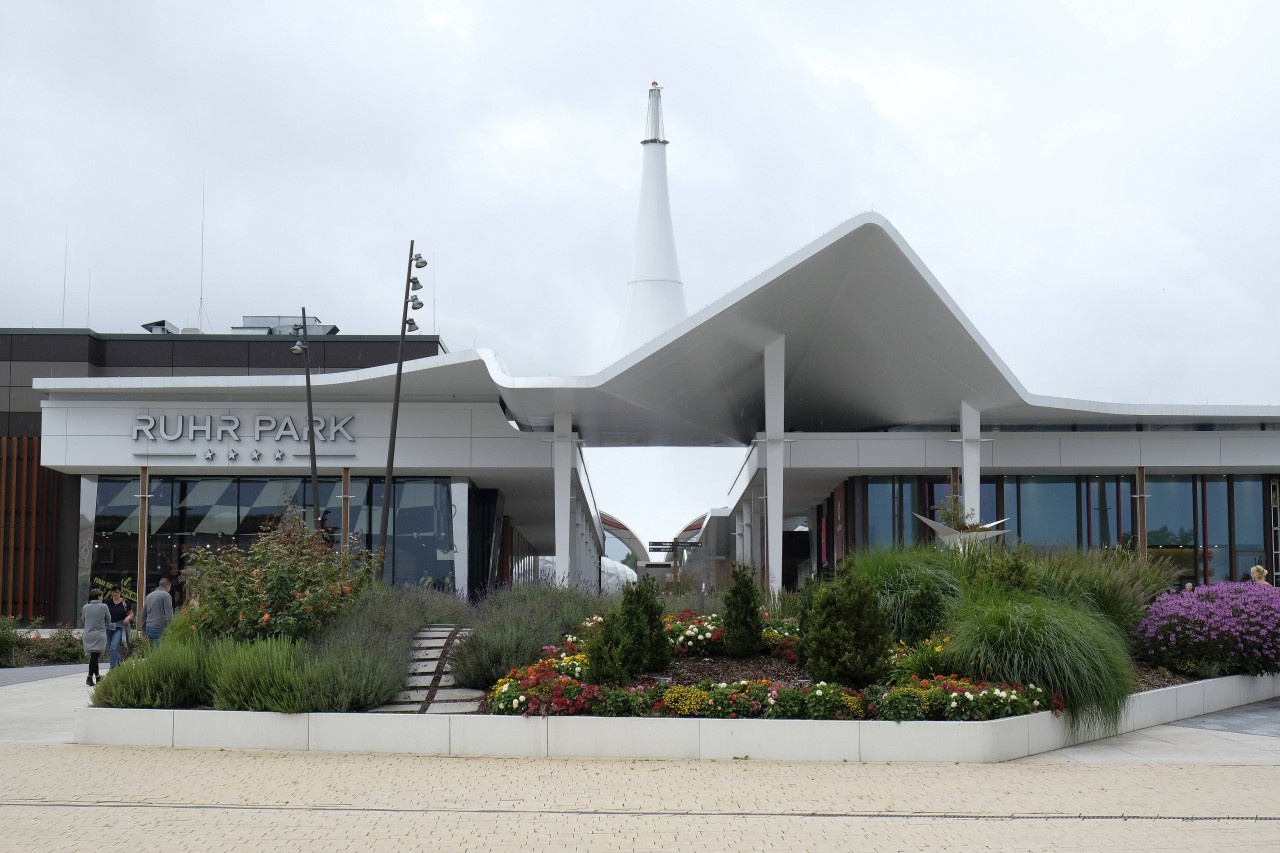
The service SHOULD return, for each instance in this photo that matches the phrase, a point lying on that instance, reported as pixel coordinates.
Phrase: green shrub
(58, 646)
(288, 583)
(847, 636)
(509, 628)
(631, 639)
(743, 623)
(170, 676)
(261, 675)
(10, 641)
(1067, 650)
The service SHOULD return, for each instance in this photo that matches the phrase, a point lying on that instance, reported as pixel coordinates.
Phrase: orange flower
(241, 617)
(266, 617)
(346, 590)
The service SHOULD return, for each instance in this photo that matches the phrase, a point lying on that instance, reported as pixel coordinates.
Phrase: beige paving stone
(216, 800)
(456, 693)
(425, 654)
(423, 666)
(405, 696)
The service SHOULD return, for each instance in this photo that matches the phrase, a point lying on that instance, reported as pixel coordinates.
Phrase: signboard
(671, 546)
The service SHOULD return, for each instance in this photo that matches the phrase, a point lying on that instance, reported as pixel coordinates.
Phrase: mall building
(859, 392)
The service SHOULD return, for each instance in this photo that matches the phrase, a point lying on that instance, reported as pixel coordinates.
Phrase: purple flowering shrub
(1220, 629)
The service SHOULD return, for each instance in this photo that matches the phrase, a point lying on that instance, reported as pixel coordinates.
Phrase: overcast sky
(1094, 183)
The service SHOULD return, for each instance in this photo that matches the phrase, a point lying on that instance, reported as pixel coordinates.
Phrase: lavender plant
(1220, 629)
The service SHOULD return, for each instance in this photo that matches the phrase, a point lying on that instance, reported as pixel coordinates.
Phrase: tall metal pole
(395, 416)
(311, 421)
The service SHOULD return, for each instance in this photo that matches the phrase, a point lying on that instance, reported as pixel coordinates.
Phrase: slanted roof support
(562, 466)
(774, 394)
(971, 462)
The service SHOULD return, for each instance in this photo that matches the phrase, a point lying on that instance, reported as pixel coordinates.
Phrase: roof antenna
(200, 312)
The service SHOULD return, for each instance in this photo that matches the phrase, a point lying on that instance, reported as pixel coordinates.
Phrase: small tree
(846, 635)
(743, 624)
(288, 583)
(632, 639)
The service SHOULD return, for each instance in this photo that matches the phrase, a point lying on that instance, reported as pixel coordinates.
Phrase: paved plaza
(1208, 783)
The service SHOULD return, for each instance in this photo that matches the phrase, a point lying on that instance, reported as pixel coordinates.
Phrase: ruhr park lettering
(229, 427)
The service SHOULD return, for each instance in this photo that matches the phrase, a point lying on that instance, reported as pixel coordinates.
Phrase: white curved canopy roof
(872, 342)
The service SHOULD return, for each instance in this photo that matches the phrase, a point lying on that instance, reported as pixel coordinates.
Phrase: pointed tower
(655, 294)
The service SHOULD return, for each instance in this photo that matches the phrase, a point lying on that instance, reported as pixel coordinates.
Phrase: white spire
(655, 298)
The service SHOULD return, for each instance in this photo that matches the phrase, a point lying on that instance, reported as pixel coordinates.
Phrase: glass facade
(185, 514)
(1212, 526)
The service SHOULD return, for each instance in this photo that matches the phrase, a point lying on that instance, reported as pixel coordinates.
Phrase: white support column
(460, 496)
(562, 464)
(774, 386)
(971, 462)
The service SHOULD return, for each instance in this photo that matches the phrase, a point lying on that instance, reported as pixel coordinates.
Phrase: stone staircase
(430, 687)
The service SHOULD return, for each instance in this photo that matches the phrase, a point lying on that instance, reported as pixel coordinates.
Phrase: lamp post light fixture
(303, 348)
(407, 324)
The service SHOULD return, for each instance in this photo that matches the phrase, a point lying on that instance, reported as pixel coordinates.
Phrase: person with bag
(97, 619)
(121, 616)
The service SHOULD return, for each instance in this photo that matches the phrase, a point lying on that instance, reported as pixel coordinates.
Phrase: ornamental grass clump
(1071, 652)
(1220, 629)
(1119, 583)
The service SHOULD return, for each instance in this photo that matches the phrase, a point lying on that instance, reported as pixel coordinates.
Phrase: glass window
(1107, 501)
(880, 512)
(1047, 512)
(1171, 521)
(115, 532)
(421, 538)
(1248, 509)
(1214, 556)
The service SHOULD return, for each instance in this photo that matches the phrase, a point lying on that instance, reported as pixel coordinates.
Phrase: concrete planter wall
(624, 737)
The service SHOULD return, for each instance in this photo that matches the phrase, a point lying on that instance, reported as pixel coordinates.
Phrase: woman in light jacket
(96, 619)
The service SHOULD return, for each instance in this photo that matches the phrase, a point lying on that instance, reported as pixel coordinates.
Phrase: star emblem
(256, 454)
(232, 455)
(279, 454)
(208, 455)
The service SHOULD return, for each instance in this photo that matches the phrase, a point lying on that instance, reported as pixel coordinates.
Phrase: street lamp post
(406, 325)
(303, 348)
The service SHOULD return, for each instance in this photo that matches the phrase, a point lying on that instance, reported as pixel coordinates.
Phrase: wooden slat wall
(28, 529)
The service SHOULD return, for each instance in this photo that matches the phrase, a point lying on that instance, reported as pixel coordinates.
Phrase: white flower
(968, 695)
(953, 704)
(722, 684)
(772, 701)
(818, 692)
(521, 698)
(1035, 704)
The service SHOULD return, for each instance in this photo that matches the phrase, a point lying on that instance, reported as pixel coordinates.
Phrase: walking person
(157, 611)
(121, 616)
(96, 619)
